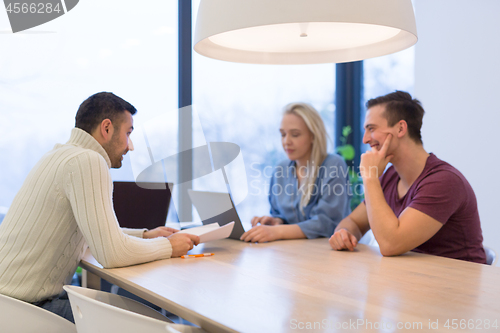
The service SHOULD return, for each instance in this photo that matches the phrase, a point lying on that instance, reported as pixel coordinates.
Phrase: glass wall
(47, 71)
(243, 103)
(386, 74)
(131, 50)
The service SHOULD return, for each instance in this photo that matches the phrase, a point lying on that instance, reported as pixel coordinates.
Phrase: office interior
(133, 51)
(131, 48)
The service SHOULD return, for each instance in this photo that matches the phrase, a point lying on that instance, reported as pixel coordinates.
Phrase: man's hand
(373, 162)
(182, 243)
(266, 220)
(261, 234)
(343, 240)
(159, 232)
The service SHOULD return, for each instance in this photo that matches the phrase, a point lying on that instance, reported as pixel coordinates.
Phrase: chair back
(98, 311)
(22, 317)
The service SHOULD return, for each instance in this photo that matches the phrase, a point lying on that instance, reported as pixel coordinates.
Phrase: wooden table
(304, 286)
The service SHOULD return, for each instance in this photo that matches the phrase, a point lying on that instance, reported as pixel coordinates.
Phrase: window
(46, 72)
(386, 74)
(243, 103)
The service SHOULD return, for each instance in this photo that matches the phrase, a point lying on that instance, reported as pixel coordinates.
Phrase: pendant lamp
(303, 31)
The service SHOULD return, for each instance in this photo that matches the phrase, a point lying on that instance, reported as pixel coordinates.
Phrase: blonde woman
(308, 192)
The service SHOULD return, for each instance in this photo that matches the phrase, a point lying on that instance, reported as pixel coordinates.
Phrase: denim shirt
(329, 202)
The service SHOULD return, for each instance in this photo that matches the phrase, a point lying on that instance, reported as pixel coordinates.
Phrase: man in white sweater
(65, 204)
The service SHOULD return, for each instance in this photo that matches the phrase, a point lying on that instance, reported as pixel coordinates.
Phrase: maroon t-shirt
(444, 194)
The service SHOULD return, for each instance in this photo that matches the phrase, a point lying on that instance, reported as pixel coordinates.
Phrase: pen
(187, 256)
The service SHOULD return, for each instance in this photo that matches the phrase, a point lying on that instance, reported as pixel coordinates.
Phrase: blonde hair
(319, 145)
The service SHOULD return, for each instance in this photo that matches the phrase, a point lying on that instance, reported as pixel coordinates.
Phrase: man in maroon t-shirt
(420, 203)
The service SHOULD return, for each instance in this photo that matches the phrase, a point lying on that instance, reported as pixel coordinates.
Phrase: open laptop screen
(217, 207)
(144, 206)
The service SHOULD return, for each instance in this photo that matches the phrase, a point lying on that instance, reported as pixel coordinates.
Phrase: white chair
(491, 256)
(98, 311)
(21, 317)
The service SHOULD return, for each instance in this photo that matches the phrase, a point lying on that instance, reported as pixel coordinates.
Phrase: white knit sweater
(64, 204)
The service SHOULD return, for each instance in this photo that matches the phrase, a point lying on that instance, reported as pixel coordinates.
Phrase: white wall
(457, 64)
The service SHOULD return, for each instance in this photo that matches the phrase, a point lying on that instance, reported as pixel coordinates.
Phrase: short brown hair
(399, 105)
(100, 106)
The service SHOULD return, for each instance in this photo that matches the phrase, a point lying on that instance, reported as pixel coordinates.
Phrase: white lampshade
(303, 31)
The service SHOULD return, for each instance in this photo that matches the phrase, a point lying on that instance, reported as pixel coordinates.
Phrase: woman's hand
(266, 220)
(159, 232)
(261, 234)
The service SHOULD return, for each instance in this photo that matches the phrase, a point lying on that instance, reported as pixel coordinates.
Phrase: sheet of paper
(198, 231)
(211, 231)
(219, 233)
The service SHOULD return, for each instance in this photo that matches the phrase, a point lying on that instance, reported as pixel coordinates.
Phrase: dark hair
(400, 105)
(100, 106)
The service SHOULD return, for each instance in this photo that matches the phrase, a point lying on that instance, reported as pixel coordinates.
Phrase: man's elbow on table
(391, 249)
(107, 263)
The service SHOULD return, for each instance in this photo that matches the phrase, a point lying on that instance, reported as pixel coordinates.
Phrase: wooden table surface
(304, 286)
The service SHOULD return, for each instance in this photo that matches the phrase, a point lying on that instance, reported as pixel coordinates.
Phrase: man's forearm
(382, 219)
(349, 225)
(134, 232)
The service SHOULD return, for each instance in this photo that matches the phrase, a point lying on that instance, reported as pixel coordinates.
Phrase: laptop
(217, 207)
(141, 204)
